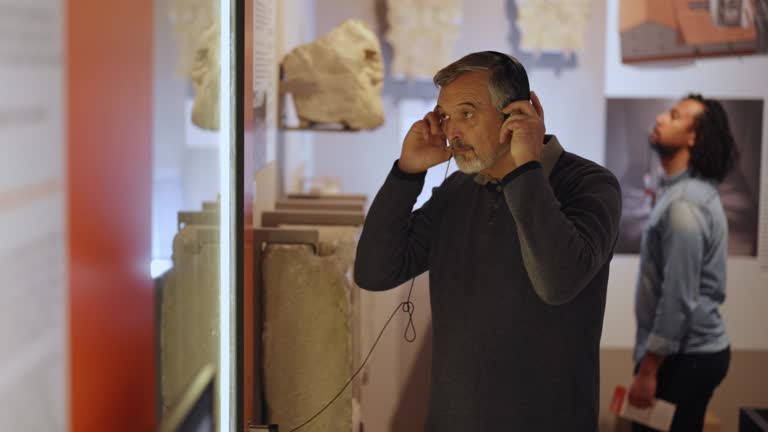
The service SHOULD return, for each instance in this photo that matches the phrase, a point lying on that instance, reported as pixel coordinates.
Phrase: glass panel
(193, 210)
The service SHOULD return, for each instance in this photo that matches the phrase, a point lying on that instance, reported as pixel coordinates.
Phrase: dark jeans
(688, 381)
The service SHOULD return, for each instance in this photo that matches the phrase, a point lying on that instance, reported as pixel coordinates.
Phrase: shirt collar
(667, 181)
(550, 154)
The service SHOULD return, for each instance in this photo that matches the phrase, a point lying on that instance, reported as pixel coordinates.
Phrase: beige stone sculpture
(422, 34)
(308, 300)
(189, 19)
(340, 75)
(553, 26)
(196, 27)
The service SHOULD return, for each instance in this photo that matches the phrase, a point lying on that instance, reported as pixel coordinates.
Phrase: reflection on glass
(191, 199)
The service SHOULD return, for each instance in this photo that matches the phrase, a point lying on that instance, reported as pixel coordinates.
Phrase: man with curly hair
(682, 352)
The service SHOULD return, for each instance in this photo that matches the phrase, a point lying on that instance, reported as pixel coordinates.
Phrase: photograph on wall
(629, 123)
(652, 30)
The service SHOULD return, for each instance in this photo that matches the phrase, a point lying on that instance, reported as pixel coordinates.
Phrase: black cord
(408, 307)
(447, 166)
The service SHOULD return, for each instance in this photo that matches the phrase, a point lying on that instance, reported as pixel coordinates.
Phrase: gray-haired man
(517, 246)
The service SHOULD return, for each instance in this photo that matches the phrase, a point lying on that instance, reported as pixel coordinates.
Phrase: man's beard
(470, 162)
(663, 151)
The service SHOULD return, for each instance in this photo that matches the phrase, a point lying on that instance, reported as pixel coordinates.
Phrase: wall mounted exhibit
(422, 34)
(302, 262)
(677, 29)
(538, 32)
(336, 81)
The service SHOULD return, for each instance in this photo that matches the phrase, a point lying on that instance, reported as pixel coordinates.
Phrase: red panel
(109, 84)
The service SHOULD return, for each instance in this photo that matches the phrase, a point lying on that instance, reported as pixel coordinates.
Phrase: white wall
(296, 26)
(33, 221)
(733, 77)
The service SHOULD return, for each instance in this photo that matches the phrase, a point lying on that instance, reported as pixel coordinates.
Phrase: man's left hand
(525, 126)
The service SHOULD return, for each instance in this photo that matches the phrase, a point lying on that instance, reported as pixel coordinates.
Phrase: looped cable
(410, 329)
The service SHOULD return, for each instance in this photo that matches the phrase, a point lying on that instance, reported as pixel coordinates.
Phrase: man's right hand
(643, 390)
(424, 146)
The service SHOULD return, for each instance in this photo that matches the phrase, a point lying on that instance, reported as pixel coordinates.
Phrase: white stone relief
(553, 26)
(422, 34)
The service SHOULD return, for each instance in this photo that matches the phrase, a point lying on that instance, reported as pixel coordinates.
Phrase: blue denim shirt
(681, 282)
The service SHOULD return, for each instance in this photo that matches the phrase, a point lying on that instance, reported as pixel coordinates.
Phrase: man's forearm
(393, 244)
(650, 364)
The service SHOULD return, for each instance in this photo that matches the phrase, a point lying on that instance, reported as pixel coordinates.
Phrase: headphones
(511, 66)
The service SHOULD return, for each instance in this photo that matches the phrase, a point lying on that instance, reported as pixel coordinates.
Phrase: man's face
(470, 123)
(674, 130)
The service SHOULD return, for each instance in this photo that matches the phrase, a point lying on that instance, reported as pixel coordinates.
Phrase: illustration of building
(672, 29)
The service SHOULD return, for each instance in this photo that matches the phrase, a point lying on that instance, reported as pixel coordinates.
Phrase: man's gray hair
(507, 82)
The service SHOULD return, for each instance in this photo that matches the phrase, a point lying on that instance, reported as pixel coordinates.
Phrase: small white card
(658, 416)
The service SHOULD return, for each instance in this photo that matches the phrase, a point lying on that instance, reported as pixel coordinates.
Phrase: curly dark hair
(714, 153)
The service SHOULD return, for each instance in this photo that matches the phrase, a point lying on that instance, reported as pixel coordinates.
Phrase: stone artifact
(309, 347)
(552, 26)
(422, 34)
(340, 75)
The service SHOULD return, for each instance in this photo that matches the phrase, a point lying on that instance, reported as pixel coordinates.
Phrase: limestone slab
(309, 342)
(554, 26)
(422, 34)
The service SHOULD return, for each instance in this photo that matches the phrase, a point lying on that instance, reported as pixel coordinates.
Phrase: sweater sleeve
(564, 245)
(394, 243)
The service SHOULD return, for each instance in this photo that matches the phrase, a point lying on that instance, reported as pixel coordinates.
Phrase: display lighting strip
(226, 415)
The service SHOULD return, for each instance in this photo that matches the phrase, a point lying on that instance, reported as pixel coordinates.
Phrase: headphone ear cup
(513, 67)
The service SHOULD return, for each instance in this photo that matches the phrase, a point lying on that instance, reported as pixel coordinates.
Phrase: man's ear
(691, 138)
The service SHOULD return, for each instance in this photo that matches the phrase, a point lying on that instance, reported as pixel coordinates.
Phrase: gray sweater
(518, 273)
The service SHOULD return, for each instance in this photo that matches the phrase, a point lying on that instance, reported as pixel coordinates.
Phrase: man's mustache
(458, 144)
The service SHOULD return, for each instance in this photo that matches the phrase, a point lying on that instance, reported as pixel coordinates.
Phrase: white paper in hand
(658, 416)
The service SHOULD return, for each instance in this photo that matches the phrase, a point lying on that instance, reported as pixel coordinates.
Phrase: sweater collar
(550, 154)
